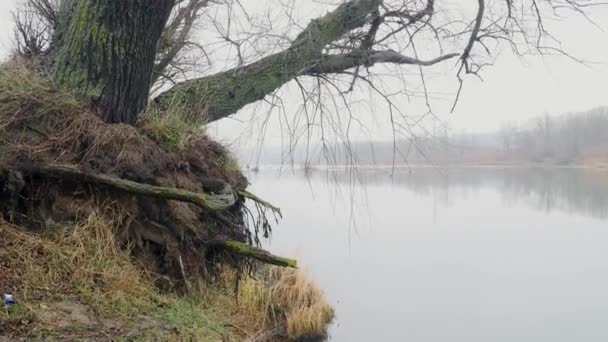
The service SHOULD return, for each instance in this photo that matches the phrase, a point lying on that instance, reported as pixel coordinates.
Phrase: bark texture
(105, 51)
(220, 95)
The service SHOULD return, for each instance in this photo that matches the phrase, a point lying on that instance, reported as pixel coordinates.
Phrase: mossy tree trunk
(104, 51)
(222, 94)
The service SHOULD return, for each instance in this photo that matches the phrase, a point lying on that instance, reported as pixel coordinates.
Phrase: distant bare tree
(508, 135)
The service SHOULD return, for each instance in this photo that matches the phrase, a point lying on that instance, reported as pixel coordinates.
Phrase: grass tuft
(287, 297)
(26, 94)
(173, 127)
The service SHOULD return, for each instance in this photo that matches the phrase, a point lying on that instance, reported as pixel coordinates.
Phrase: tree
(508, 135)
(112, 55)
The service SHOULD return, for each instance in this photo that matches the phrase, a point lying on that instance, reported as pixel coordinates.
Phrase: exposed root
(58, 160)
(253, 252)
(250, 196)
(222, 201)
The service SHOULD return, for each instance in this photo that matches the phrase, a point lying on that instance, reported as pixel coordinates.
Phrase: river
(425, 254)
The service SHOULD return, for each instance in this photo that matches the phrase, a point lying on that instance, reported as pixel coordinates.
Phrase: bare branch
(341, 63)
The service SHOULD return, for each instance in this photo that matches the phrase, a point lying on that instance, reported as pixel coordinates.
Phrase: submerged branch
(253, 252)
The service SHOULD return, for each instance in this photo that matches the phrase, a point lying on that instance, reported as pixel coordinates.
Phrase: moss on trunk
(222, 94)
(104, 52)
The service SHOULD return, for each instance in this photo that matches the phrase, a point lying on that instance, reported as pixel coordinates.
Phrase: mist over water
(471, 254)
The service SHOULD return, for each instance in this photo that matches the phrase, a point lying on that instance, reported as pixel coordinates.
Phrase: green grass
(16, 319)
(173, 127)
(15, 312)
(192, 318)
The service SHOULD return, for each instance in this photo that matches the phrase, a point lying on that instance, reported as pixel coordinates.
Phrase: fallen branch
(253, 252)
(214, 202)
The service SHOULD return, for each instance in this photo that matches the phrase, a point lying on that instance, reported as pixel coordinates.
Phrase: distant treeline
(568, 139)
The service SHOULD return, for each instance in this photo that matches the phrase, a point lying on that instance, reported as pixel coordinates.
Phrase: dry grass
(83, 265)
(228, 163)
(80, 262)
(25, 95)
(48, 124)
(286, 297)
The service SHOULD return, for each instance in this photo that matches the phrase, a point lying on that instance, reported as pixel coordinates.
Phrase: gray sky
(511, 90)
(5, 24)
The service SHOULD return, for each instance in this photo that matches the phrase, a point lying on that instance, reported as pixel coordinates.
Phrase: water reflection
(575, 191)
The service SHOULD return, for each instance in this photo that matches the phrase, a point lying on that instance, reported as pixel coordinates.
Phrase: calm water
(461, 255)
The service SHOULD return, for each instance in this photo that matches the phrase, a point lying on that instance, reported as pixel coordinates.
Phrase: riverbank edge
(257, 308)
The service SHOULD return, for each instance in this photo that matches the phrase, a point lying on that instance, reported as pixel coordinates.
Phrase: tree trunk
(104, 51)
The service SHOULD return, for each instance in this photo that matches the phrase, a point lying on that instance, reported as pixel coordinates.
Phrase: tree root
(224, 200)
(253, 252)
(213, 202)
(250, 196)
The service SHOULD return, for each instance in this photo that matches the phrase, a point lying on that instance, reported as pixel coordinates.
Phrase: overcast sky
(511, 90)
